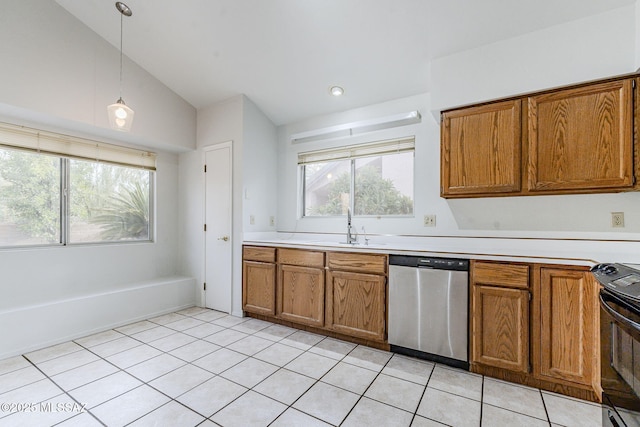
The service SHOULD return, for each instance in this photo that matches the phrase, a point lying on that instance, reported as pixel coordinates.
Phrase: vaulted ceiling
(285, 54)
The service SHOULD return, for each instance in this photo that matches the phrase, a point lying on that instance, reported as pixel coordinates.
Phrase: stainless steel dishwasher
(428, 308)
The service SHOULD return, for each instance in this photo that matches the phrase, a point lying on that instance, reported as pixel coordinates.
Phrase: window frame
(353, 153)
(67, 212)
(65, 216)
(65, 148)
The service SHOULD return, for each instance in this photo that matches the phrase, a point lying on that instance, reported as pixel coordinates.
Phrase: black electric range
(620, 343)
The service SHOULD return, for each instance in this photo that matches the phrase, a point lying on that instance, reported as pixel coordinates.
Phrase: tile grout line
(544, 405)
(318, 380)
(151, 386)
(65, 392)
(415, 414)
(143, 382)
(249, 332)
(481, 401)
(365, 391)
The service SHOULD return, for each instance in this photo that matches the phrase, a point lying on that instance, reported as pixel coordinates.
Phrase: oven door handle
(619, 317)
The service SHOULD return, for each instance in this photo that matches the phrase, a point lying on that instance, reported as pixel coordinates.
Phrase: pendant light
(121, 116)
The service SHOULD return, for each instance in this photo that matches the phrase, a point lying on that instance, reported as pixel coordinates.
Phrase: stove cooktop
(620, 279)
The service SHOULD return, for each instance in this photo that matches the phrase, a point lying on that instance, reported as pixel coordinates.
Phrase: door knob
(225, 238)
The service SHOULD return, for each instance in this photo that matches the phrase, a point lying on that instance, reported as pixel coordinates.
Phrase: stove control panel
(619, 278)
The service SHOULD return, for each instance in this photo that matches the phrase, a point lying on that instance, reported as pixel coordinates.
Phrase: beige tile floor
(199, 367)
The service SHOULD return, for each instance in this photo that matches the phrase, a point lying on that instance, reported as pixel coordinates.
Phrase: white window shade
(357, 151)
(25, 138)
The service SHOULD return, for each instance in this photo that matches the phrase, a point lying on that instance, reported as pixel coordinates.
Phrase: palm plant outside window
(54, 199)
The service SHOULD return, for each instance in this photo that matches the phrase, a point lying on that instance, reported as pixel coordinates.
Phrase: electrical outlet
(617, 219)
(272, 221)
(252, 220)
(429, 220)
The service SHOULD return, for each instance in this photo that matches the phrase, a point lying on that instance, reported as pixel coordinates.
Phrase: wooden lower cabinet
(259, 287)
(356, 304)
(343, 294)
(500, 327)
(259, 280)
(548, 341)
(301, 294)
(566, 325)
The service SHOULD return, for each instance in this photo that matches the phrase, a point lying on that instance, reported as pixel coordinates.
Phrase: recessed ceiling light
(336, 91)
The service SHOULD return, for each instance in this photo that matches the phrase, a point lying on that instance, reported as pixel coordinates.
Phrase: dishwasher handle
(428, 262)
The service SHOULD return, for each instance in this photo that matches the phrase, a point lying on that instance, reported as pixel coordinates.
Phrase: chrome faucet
(351, 237)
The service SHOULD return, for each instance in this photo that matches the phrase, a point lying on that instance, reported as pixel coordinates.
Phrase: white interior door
(218, 220)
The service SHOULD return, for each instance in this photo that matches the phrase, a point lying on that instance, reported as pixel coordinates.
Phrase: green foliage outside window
(374, 195)
(106, 202)
(30, 193)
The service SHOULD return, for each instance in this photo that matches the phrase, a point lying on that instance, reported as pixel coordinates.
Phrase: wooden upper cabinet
(481, 150)
(565, 324)
(581, 138)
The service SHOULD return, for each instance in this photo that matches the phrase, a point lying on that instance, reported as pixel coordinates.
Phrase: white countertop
(513, 249)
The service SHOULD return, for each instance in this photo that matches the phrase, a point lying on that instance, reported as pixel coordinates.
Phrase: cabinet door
(481, 150)
(500, 327)
(568, 317)
(301, 294)
(581, 138)
(356, 304)
(259, 287)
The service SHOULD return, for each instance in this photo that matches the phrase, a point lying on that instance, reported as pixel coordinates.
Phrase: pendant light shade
(120, 115)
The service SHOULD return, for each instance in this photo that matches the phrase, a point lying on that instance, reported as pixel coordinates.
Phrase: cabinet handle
(225, 238)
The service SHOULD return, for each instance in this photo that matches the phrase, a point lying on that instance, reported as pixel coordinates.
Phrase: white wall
(40, 286)
(219, 123)
(254, 165)
(260, 160)
(586, 49)
(55, 69)
(595, 47)
(585, 216)
(58, 75)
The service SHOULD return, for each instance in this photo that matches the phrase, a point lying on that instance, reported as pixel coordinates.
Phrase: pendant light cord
(121, 17)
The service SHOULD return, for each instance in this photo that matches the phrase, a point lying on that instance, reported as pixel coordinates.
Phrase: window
(58, 199)
(370, 179)
(30, 197)
(107, 202)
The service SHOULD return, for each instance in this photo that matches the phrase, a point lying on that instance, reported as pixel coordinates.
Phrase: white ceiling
(285, 54)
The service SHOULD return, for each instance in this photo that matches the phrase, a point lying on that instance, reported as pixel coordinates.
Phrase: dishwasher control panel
(428, 262)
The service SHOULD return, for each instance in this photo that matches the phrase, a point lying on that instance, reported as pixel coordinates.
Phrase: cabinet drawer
(255, 253)
(366, 263)
(301, 257)
(505, 275)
